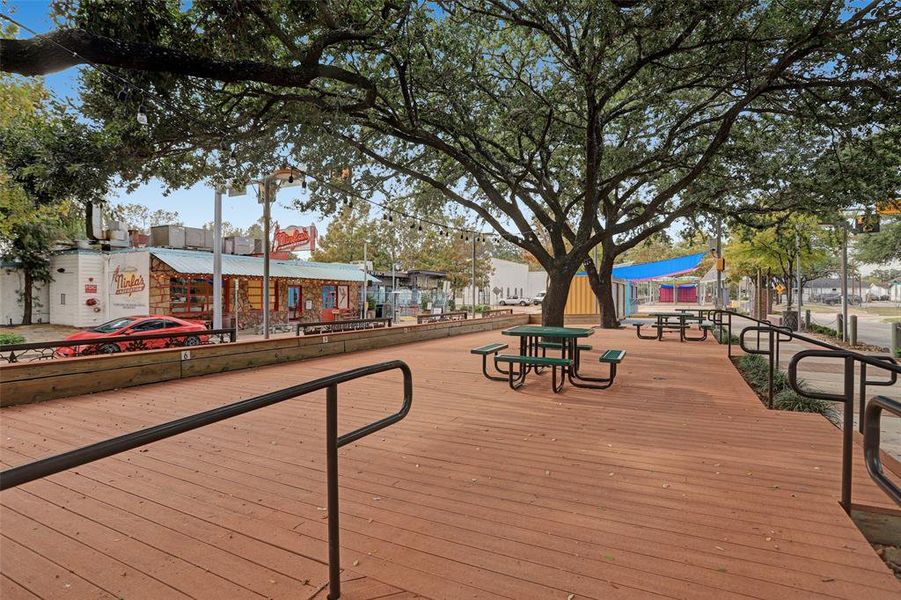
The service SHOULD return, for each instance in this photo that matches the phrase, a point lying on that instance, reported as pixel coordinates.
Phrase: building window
(329, 296)
(190, 296)
(62, 299)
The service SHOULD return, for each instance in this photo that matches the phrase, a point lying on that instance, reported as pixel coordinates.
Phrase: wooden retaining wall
(23, 383)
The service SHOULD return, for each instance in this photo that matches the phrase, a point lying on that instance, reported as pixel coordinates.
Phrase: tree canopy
(563, 126)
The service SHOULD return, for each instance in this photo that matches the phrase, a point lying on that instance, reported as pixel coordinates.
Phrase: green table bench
(534, 361)
(485, 352)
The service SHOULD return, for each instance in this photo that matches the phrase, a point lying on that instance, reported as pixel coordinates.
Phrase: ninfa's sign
(128, 284)
(294, 238)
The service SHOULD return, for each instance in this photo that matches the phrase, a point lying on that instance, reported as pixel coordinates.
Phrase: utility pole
(365, 278)
(267, 183)
(844, 281)
(718, 299)
(217, 259)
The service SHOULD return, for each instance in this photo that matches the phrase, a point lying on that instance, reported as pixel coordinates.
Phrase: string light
(142, 114)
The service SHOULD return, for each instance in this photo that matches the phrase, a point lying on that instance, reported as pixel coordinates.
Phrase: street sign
(780, 289)
(889, 207)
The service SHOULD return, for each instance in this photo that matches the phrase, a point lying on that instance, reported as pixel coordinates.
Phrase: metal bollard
(852, 329)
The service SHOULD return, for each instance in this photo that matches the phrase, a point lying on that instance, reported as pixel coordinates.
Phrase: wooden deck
(674, 483)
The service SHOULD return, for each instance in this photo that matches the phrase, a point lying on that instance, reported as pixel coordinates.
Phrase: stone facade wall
(250, 314)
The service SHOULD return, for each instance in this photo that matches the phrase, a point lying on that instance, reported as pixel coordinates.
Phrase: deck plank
(674, 483)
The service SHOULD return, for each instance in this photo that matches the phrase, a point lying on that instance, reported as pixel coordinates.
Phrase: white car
(539, 297)
(514, 300)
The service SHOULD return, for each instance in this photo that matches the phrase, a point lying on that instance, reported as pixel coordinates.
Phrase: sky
(194, 205)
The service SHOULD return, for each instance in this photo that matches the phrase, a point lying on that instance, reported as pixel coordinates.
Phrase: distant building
(91, 286)
(826, 288)
(507, 279)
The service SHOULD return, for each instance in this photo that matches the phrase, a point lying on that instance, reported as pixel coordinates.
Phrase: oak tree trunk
(27, 297)
(554, 303)
(601, 281)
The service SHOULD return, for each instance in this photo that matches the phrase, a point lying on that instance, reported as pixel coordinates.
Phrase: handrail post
(730, 336)
(848, 433)
(863, 396)
(331, 445)
(771, 356)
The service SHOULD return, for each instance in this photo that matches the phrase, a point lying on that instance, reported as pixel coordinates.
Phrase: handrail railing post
(331, 445)
(863, 397)
(730, 335)
(770, 375)
(848, 433)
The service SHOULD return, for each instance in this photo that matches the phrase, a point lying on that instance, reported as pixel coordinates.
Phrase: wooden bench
(485, 352)
(533, 361)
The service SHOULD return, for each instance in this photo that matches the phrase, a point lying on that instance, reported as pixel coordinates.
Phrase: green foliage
(49, 162)
(879, 248)
(11, 338)
(480, 308)
(823, 330)
(789, 399)
(564, 125)
(411, 248)
(755, 369)
(139, 217)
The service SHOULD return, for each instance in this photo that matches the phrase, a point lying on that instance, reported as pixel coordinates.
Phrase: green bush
(755, 369)
(822, 330)
(722, 336)
(479, 308)
(789, 399)
(11, 338)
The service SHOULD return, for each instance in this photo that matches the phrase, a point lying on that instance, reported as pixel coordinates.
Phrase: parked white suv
(513, 300)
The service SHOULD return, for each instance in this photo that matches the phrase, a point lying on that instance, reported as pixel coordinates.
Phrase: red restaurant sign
(294, 238)
(127, 281)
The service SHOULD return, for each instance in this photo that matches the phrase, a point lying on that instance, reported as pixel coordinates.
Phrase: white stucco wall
(11, 307)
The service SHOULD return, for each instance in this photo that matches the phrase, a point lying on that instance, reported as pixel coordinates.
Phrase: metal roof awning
(659, 268)
(194, 262)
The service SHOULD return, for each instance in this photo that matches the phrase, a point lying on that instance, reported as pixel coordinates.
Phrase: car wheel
(109, 349)
(192, 340)
(523, 303)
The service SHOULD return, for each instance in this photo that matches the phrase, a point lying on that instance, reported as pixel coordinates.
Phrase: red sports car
(138, 325)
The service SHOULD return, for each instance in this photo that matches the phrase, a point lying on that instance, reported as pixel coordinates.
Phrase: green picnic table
(533, 343)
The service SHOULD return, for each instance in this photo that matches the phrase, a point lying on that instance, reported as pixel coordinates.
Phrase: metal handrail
(98, 342)
(44, 467)
(824, 350)
(871, 444)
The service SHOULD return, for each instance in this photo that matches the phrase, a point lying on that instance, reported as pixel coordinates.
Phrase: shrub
(11, 338)
(822, 330)
(789, 399)
(722, 336)
(755, 369)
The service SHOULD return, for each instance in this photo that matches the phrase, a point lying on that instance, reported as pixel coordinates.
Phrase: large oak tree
(563, 125)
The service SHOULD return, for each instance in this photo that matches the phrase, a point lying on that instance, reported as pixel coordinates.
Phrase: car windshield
(111, 326)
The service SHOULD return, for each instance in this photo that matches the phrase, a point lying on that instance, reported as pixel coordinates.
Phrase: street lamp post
(269, 185)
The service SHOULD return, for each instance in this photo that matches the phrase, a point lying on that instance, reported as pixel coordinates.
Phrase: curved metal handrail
(50, 465)
(871, 444)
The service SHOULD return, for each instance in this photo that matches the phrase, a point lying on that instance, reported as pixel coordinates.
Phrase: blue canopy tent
(669, 267)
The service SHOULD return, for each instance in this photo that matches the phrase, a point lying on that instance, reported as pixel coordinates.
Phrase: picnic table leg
(576, 378)
(515, 384)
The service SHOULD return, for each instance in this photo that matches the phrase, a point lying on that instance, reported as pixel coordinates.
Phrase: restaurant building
(93, 286)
